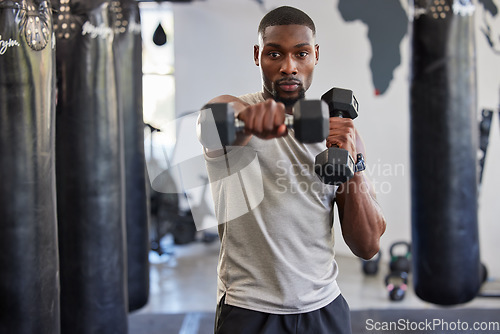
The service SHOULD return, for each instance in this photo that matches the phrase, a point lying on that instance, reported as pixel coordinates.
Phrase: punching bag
(89, 167)
(128, 54)
(29, 269)
(444, 148)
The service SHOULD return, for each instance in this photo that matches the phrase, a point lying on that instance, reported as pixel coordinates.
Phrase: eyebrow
(276, 45)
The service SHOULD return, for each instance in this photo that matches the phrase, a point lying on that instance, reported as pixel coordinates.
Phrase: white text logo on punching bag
(101, 31)
(4, 45)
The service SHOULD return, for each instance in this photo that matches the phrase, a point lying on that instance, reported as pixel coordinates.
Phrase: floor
(185, 281)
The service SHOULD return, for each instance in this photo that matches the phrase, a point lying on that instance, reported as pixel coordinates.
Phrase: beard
(289, 102)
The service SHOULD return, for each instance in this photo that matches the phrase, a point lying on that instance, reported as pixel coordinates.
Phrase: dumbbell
(309, 122)
(335, 165)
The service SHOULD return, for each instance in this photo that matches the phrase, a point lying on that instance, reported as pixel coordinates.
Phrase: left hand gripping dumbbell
(309, 122)
(335, 165)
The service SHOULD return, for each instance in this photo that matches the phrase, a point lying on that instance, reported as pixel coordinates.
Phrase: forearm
(361, 218)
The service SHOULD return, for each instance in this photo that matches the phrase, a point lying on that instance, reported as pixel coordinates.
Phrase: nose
(289, 66)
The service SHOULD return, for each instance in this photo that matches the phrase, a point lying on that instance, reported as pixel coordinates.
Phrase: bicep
(237, 104)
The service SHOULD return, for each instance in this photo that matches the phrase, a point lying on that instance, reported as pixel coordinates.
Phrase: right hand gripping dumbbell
(309, 122)
(335, 165)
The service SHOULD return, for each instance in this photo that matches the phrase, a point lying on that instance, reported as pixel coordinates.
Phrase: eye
(303, 54)
(273, 54)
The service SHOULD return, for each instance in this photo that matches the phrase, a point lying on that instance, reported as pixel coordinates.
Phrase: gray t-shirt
(276, 227)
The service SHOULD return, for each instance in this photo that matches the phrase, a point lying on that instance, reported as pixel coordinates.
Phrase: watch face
(360, 162)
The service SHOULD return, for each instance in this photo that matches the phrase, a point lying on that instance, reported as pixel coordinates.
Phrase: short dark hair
(286, 15)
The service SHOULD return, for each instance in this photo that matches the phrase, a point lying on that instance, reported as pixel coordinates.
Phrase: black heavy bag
(29, 269)
(89, 165)
(128, 53)
(444, 152)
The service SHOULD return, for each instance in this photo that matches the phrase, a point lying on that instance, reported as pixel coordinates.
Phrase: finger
(247, 117)
(342, 128)
(281, 131)
(279, 116)
(332, 141)
(268, 119)
(274, 117)
(259, 119)
(339, 123)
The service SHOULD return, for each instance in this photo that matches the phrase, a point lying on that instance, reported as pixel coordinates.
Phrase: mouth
(289, 85)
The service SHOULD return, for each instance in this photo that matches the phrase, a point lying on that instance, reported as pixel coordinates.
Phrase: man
(277, 272)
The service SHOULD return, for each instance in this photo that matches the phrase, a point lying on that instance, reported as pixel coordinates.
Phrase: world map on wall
(385, 39)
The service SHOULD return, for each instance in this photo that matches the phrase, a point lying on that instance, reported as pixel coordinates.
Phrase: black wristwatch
(360, 163)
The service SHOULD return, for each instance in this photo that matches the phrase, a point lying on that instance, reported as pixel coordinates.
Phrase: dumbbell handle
(335, 165)
(338, 113)
(240, 125)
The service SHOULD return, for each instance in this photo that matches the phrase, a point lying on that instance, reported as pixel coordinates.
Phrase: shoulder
(248, 99)
(252, 98)
(225, 99)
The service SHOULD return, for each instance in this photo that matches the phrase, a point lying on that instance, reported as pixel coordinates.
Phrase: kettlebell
(370, 267)
(400, 263)
(396, 284)
(483, 273)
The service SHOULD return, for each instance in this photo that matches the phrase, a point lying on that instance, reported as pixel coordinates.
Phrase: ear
(256, 54)
(316, 49)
